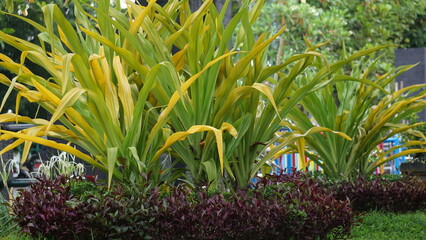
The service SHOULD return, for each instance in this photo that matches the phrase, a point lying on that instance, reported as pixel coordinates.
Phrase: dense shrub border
(285, 206)
(48, 209)
(379, 192)
(288, 211)
(404, 195)
(291, 210)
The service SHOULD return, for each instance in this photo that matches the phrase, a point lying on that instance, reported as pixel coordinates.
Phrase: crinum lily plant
(115, 89)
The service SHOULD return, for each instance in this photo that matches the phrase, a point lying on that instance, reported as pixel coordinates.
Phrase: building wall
(416, 75)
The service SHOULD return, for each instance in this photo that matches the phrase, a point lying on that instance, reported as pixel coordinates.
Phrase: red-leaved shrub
(324, 213)
(297, 209)
(50, 210)
(382, 192)
(184, 216)
(403, 195)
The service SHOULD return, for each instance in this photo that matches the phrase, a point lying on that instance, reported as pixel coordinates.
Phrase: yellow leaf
(6, 81)
(112, 158)
(27, 145)
(282, 152)
(180, 136)
(229, 128)
(66, 70)
(268, 93)
(301, 149)
(63, 37)
(67, 101)
(110, 91)
(323, 129)
(176, 96)
(241, 92)
(10, 146)
(32, 96)
(74, 116)
(124, 92)
(10, 117)
(403, 153)
(47, 95)
(55, 145)
(97, 71)
(139, 19)
(179, 58)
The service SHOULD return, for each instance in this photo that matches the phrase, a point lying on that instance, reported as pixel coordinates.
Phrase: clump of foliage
(62, 164)
(281, 212)
(294, 210)
(12, 25)
(420, 130)
(373, 22)
(364, 106)
(304, 22)
(404, 195)
(379, 192)
(48, 209)
(122, 95)
(117, 214)
(351, 25)
(310, 195)
(105, 81)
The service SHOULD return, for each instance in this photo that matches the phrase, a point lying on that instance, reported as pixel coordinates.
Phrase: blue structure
(288, 162)
(393, 166)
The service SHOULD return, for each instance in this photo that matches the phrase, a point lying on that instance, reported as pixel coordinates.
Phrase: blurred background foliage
(349, 25)
(15, 26)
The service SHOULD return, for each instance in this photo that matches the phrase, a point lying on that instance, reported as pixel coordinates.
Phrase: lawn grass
(7, 226)
(389, 226)
(9, 230)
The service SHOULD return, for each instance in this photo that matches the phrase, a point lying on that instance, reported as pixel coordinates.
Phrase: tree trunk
(195, 4)
(228, 15)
